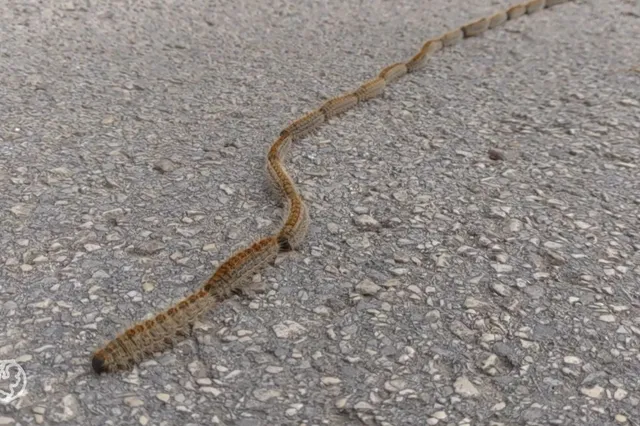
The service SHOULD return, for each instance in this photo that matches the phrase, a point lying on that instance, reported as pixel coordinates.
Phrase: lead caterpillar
(154, 335)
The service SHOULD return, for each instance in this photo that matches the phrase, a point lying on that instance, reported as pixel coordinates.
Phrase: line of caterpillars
(154, 335)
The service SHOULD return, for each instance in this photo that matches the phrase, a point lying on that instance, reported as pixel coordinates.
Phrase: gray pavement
(474, 253)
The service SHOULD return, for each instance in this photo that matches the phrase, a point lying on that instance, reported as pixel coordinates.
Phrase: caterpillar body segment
(280, 179)
(421, 58)
(477, 27)
(241, 267)
(339, 105)
(273, 177)
(296, 226)
(498, 19)
(281, 146)
(144, 339)
(551, 3)
(276, 174)
(166, 328)
(452, 37)
(534, 6)
(514, 12)
(393, 72)
(305, 124)
(370, 89)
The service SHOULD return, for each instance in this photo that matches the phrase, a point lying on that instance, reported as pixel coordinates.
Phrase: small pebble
(367, 287)
(464, 387)
(164, 397)
(594, 392)
(607, 318)
(496, 154)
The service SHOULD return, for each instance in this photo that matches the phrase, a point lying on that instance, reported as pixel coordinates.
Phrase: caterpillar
(420, 59)
(498, 19)
(393, 72)
(451, 38)
(144, 339)
(514, 12)
(535, 5)
(475, 28)
(154, 335)
(295, 227)
(338, 105)
(370, 89)
(305, 125)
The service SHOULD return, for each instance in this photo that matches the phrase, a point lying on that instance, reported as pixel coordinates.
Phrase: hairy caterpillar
(297, 219)
(338, 105)
(393, 72)
(535, 5)
(370, 89)
(280, 178)
(551, 3)
(420, 59)
(514, 12)
(452, 37)
(280, 148)
(277, 176)
(305, 125)
(475, 28)
(147, 337)
(295, 228)
(240, 267)
(144, 339)
(498, 19)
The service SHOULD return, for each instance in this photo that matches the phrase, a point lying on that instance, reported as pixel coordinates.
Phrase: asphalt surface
(474, 253)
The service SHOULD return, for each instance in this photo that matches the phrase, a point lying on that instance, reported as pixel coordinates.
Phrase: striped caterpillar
(157, 334)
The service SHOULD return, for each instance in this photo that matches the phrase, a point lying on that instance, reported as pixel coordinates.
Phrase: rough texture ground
(474, 256)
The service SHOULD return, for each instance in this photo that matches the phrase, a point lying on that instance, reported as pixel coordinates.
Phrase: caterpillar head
(98, 363)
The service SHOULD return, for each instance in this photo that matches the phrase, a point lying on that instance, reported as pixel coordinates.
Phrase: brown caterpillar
(551, 3)
(295, 228)
(498, 19)
(517, 11)
(475, 28)
(281, 146)
(393, 72)
(280, 179)
(144, 339)
(338, 105)
(451, 38)
(535, 5)
(370, 89)
(305, 124)
(297, 220)
(154, 335)
(241, 267)
(420, 59)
